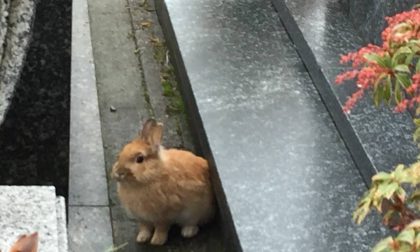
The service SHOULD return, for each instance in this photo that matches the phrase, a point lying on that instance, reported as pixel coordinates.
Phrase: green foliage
(406, 241)
(398, 66)
(392, 72)
(167, 88)
(383, 61)
(416, 134)
(400, 209)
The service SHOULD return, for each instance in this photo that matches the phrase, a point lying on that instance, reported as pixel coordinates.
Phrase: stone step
(28, 209)
(377, 138)
(89, 214)
(283, 176)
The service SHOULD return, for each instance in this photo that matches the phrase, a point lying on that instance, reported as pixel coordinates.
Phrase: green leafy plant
(400, 209)
(391, 72)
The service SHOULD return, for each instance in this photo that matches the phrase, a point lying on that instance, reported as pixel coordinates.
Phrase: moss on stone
(167, 89)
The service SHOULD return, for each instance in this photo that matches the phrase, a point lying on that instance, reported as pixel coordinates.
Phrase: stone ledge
(87, 176)
(61, 224)
(89, 225)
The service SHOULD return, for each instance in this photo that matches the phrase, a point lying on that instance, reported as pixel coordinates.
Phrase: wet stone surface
(385, 136)
(287, 176)
(368, 16)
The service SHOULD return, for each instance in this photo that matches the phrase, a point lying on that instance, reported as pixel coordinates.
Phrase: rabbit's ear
(152, 132)
(147, 125)
(26, 243)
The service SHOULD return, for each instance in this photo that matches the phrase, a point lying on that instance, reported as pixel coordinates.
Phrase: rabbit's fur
(161, 187)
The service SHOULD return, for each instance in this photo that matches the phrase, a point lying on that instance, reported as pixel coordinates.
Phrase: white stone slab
(61, 224)
(28, 209)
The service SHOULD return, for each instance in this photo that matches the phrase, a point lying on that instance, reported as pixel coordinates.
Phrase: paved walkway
(135, 81)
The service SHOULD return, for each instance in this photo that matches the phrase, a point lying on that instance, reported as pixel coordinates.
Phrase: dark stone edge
(231, 241)
(330, 100)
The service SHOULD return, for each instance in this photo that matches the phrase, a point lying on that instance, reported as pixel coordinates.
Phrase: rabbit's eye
(139, 159)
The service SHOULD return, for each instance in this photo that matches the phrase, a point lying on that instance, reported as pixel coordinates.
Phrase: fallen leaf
(155, 40)
(146, 24)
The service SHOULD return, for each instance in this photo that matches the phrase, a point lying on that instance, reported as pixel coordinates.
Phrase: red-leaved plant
(391, 72)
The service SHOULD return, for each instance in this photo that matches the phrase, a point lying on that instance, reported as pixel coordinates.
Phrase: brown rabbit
(26, 243)
(161, 187)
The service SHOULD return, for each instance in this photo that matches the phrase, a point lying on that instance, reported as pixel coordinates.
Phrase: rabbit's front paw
(189, 231)
(159, 239)
(160, 235)
(144, 235)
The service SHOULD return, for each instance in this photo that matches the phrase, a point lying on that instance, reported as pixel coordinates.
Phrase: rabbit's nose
(120, 174)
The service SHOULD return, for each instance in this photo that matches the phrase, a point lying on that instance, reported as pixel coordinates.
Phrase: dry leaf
(146, 24)
(155, 40)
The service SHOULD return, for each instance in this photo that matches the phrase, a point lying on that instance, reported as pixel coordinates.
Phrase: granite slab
(16, 18)
(283, 177)
(377, 138)
(87, 175)
(4, 12)
(368, 16)
(28, 209)
(89, 225)
(89, 229)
